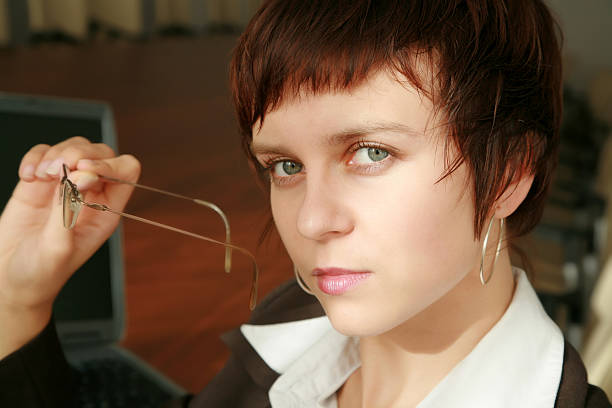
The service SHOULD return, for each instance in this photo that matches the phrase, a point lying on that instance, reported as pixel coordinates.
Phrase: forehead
(384, 102)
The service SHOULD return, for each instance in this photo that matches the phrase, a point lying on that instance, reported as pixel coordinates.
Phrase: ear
(513, 196)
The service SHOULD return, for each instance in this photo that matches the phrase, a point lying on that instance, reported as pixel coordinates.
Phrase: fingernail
(28, 171)
(42, 168)
(85, 180)
(54, 167)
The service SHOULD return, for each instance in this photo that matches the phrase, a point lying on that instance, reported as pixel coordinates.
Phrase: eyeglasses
(72, 203)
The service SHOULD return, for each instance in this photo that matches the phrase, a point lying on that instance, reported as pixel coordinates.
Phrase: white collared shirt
(517, 363)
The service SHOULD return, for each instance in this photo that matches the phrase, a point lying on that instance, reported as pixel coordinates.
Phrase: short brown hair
(496, 77)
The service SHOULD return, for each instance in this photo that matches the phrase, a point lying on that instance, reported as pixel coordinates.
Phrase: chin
(356, 321)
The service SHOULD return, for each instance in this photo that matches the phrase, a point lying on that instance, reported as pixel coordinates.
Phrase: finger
(44, 162)
(47, 164)
(85, 180)
(31, 160)
(71, 154)
(124, 168)
(50, 155)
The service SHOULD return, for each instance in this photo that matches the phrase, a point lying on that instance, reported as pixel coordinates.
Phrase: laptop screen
(25, 122)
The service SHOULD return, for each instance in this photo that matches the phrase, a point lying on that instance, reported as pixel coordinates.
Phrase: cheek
(285, 209)
(417, 216)
(280, 213)
(423, 237)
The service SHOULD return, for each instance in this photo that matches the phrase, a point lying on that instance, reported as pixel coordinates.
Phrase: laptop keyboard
(112, 383)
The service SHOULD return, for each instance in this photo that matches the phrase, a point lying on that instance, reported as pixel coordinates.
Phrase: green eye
(288, 168)
(377, 154)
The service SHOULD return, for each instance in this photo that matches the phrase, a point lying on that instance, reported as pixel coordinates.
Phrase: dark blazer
(37, 375)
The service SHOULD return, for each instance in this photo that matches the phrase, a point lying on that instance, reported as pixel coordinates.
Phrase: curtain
(20, 20)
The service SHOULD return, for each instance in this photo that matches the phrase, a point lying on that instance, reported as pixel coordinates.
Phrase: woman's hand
(37, 253)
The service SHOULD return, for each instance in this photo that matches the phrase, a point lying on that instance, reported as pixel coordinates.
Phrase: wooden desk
(172, 110)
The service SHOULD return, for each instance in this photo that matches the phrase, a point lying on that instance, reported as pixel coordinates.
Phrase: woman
(406, 144)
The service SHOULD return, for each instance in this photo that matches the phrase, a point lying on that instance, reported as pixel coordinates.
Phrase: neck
(424, 349)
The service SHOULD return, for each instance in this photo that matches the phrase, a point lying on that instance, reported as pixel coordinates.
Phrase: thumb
(122, 168)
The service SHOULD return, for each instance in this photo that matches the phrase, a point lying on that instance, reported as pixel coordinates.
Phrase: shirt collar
(280, 344)
(518, 363)
(314, 360)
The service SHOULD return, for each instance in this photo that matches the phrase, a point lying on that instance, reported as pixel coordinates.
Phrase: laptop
(90, 310)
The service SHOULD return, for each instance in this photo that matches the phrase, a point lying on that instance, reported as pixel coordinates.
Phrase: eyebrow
(344, 136)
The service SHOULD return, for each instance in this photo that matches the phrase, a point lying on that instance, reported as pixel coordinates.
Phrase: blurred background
(162, 66)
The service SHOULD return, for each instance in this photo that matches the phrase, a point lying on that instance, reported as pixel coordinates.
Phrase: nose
(324, 212)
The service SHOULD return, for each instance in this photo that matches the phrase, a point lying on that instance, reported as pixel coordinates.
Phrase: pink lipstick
(336, 281)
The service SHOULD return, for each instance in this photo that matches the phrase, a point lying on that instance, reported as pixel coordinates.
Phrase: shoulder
(574, 390)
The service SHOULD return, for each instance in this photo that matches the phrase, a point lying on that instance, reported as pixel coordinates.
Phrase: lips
(336, 281)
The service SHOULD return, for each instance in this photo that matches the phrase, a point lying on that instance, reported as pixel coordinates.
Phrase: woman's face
(356, 199)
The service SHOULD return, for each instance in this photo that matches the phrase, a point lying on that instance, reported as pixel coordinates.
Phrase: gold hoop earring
(484, 248)
(300, 281)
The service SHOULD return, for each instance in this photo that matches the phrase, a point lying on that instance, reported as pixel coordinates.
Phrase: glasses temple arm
(228, 250)
(227, 245)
